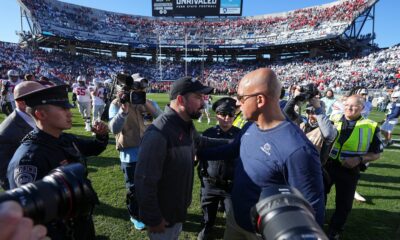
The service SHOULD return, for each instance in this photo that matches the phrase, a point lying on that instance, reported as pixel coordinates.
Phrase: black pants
(211, 195)
(345, 181)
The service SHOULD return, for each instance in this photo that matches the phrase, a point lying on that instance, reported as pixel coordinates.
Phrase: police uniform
(41, 152)
(216, 176)
(355, 138)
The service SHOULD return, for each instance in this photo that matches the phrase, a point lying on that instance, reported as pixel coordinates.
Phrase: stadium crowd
(66, 20)
(378, 70)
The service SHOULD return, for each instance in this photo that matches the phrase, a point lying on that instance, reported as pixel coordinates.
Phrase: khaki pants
(234, 232)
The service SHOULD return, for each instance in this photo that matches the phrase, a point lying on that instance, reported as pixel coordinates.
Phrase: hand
(125, 108)
(100, 128)
(14, 226)
(160, 228)
(351, 162)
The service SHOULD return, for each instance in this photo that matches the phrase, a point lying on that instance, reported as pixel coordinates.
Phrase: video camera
(283, 213)
(133, 88)
(307, 92)
(63, 194)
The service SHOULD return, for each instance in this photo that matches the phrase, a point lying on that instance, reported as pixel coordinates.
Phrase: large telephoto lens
(283, 213)
(64, 193)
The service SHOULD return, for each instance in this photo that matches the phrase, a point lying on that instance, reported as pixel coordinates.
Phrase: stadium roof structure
(320, 30)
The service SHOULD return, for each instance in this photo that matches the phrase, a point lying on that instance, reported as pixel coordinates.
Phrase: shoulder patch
(25, 174)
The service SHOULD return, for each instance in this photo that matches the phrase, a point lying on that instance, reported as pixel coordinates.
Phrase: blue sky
(386, 24)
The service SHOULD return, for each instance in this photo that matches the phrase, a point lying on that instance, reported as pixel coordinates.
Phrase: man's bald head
(262, 80)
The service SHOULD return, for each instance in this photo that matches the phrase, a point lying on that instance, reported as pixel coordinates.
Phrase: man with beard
(165, 168)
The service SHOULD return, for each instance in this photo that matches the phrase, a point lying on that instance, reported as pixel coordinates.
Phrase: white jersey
(10, 89)
(82, 94)
(98, 96)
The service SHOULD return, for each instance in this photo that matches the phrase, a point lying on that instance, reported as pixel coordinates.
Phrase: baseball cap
(56, 95)
(188, 85)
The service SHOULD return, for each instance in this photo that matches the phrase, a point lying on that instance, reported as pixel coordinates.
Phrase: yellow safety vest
(359, 141)
(239, 121)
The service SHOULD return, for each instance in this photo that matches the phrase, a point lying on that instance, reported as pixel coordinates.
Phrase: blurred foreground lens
(64, 193)
(283, 213)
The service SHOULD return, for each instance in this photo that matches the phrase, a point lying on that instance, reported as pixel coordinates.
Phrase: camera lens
(282, 213)
(64, 193)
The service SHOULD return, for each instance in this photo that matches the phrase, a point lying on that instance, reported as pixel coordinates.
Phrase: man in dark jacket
(14, 128)
(47, 147)
(165, 168)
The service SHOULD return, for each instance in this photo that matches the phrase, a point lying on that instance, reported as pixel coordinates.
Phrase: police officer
(47, 147)
(216, 176)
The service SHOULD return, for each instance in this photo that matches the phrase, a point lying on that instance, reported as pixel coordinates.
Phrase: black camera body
(307, 92)
(64, 193)
(283, 213)
(134, 89)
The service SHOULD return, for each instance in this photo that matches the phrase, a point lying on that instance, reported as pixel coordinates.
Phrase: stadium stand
(54, 18)
(375, 71)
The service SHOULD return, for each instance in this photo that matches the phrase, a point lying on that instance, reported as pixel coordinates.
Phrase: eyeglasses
(243, 98)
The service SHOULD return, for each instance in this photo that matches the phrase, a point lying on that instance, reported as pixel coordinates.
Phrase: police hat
(225, 105)
(188, 85)
(56, 95)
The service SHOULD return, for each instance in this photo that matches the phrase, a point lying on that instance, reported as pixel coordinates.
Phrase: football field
(378, 218)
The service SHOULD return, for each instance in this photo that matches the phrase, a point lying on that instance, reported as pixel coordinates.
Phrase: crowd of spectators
(318, 22)
(375, 71)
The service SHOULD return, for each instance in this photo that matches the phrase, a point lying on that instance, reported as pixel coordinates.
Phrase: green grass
(378, 218)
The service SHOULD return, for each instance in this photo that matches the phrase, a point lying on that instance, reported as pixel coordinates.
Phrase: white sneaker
(87, 127)
(359, 198)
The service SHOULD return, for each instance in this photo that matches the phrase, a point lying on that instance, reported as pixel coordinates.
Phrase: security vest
(239, 121)
(133, 129)
(358, 142)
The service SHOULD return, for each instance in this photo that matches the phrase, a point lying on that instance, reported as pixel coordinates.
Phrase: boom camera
(134, 89)
(283, 213)
(63, 194)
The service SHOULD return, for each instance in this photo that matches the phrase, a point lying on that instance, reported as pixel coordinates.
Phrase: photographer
(129, 114)
(47, 147)
(317, 126)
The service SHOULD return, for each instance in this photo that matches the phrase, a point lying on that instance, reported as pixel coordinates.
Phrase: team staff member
(47, 147)
(216, 176)
(165, 168)
(14, 128)
(264, 160)
(358, 143)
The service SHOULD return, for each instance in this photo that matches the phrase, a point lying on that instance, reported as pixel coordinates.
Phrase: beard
(195, 115)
